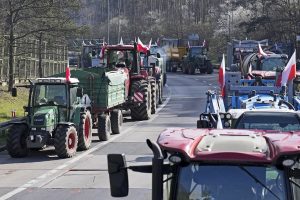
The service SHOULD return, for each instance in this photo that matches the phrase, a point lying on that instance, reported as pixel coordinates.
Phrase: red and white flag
(68, 73)
(261, 51)
(141, 47)
(289, 72)
(222, 76)
(149, 45)
(102, 52)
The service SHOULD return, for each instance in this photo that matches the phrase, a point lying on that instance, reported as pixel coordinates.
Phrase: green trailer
(106, 92)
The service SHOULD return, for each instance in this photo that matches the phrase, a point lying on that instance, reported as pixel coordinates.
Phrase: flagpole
(107, 21)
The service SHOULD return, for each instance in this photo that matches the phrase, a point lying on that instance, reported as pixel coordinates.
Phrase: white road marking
(75, 159)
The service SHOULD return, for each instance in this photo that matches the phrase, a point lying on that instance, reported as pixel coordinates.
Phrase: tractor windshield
(269, 121)
(196, 51)
(224, 182)
(50, 94)
(120, 58)
(272, 64)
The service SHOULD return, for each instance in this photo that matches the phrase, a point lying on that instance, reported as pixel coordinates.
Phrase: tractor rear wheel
(202, 71)
(142, 110)
(209, 66)
(191, 70)
(16, 142)
(85, 131)
(104, 127)
(65, 141)
(153, 95)
(116, 119)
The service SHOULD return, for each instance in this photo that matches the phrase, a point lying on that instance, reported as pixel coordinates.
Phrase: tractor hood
(44, 116)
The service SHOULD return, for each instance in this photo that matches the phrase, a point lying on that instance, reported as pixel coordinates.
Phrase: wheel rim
(71, 140)
(87, 126)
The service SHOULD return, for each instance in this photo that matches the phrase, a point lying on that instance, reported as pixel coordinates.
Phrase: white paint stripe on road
(75, 159)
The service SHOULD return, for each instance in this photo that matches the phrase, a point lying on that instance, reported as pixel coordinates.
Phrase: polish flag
(121, 42)
(149, 45)
(261, 51)
(289, 72)
(68, 73)
(102, 52)
(141, 47)
(222, 76)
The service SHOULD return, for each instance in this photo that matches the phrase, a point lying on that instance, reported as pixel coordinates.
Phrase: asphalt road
(42, 175)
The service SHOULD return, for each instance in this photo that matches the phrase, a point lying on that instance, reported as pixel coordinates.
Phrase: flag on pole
(261, 51)
(289, 72)
(121, 42)
(149, 45)
(141, 47)
(68, 73)
(222, 76)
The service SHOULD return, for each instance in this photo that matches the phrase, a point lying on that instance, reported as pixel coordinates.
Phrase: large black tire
(116, 119)
(209, 66)
(153, 95)
(142, 111)
(65, 141)
(191, 70)
(104, 127)
(202, 71)
(16, 141)
(174, 69)
(85, 131)
(160, 92)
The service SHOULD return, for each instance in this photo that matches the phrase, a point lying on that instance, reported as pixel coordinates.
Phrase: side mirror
(158, 55)
(14, 92)
(118, 175)
(79, 92)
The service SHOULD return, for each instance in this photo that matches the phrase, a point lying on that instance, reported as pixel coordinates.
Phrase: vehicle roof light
(288, 162)
(175, 159)
(222, 115)
(228, 116)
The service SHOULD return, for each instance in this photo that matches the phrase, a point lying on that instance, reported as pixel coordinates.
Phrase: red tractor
(141, 86)
(219, 164)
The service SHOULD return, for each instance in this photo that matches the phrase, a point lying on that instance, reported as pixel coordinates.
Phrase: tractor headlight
(222, 115)
(228, 116)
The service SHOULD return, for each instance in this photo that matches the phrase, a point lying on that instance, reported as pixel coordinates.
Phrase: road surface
(42, 175)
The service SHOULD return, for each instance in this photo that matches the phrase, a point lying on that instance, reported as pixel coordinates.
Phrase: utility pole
(107, 21)
(119, 26)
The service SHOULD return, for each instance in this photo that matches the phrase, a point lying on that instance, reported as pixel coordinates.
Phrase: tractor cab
(216, 164)
(51, 96)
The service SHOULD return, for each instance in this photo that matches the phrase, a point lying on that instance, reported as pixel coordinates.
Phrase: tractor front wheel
(85, 131)
(104, 127)
(16, 142)
(116, 119)
(160, 92)
(65, 141)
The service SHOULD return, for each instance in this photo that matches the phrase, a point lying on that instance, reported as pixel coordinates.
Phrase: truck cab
(217, 164)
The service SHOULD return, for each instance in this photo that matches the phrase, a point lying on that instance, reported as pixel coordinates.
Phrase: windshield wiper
(258, 181)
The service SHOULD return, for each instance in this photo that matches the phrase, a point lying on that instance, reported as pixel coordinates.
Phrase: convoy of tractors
(246, 145)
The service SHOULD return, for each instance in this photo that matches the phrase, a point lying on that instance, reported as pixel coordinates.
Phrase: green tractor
(57, 114)
(196, 59)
